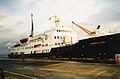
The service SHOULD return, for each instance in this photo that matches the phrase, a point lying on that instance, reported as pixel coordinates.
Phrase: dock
(58, 69)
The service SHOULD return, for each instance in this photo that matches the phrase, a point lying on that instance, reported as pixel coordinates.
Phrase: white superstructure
(57, 36)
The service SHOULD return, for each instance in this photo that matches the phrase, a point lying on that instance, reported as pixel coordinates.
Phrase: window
(54, 37)
(43, 45)
(16, 53)
(55, 43)
(46, 44)
(46, 38)
(57, 37)
(58, 30)
(36, 46)
(60, 37)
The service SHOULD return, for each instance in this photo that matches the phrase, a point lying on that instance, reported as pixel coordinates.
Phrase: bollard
(117, 57)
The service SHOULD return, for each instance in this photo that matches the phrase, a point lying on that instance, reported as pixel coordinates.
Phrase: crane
(86, 30)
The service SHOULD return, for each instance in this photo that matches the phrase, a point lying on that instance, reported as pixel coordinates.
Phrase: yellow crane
(86, 30)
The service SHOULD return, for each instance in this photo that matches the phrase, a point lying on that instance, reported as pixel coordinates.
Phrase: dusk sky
(15, 16)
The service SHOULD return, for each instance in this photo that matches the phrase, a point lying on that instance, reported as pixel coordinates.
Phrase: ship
(61, 42)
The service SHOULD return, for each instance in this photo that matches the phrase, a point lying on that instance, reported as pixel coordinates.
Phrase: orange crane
(85, 30)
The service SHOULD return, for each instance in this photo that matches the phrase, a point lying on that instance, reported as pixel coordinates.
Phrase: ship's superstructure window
(44, 51)
(46, 44)
(21, 52)
(36, 46)
(39, 45)
(58, 37)
(64, 31)
(61, 43)
(28, 47)
(54, 37)
(16, 53)
(58, 43)
(55, 43)
(43, 45)
(46, 38)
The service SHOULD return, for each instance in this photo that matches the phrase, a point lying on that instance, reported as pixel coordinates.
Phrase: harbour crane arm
(84, 29)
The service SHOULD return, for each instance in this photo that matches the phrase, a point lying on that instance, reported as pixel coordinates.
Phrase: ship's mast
(56, 21)
(32, 29)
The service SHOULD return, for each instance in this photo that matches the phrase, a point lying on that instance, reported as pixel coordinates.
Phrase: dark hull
(103, 47)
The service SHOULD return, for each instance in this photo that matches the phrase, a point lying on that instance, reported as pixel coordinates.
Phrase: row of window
(32, 52)
(23, 48)
(39, 45)
(63, 31)
(40, 51)
(35, 46)
(58, 37)
(58, 43)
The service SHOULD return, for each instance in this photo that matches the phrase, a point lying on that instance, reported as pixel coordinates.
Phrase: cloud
(84, 12)
(117, 29)
(109, 12)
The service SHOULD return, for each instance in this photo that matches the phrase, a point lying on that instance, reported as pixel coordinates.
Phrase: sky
(15, 20)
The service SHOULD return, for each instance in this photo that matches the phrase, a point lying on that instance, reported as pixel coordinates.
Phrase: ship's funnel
(32, 29)
(98, 27)
(97, 30)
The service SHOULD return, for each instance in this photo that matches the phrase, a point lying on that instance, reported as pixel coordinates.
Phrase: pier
(57, 69)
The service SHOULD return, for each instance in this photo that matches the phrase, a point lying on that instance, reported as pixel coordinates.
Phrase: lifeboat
(24, 40)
